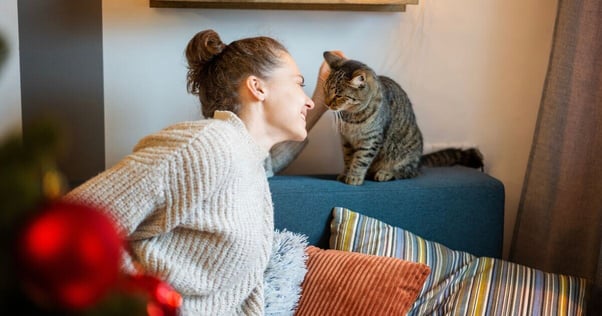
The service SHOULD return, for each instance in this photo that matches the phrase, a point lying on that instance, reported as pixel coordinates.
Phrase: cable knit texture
(194, 201)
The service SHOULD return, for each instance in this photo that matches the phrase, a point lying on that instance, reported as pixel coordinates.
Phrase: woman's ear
(256, 87)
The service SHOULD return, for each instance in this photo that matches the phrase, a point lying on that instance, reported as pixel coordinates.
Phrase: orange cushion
(349, 283)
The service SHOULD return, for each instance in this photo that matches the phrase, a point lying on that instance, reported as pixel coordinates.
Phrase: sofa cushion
(347, 283)
(459, 207)
(460, 283)
(353, 231)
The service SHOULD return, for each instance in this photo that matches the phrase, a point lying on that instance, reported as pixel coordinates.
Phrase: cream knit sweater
(194, 202)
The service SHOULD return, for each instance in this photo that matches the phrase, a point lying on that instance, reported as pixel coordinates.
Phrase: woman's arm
(151, 190)
(128, 192)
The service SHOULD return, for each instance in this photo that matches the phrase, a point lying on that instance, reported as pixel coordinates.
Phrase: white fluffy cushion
(285, 273)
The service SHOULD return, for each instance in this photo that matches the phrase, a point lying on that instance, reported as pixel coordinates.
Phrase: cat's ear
(359, 80)
(332, 59)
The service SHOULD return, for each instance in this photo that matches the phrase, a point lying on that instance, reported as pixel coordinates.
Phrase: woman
(193, 199)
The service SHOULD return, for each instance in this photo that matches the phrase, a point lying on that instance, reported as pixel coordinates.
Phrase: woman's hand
(318, 95)
(325, 69)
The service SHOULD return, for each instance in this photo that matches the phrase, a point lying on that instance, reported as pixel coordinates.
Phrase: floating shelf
(342, 5)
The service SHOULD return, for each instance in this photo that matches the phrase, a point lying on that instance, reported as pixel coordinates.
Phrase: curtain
(559, 220)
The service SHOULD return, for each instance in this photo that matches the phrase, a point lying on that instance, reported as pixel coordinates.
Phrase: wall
(473, 69)
(61, 70)
(10, 86)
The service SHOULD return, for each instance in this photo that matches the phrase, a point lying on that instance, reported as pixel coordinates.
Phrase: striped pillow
(348, 283)
(460, 283)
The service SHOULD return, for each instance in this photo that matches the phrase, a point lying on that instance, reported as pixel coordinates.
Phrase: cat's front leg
(360, 162)
(347, 157)
(357, 171)
(352, 180)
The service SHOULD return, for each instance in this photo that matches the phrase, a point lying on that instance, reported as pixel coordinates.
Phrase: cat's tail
(470, 157)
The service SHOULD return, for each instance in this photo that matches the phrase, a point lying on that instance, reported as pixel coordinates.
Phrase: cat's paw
(382, 176)
(353, 180)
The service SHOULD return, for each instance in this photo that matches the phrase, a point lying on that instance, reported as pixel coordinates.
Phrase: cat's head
(350, 85)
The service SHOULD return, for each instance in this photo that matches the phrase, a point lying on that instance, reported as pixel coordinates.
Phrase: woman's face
(286, 103)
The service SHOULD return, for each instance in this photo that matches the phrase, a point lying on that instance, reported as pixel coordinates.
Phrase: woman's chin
(300, 136)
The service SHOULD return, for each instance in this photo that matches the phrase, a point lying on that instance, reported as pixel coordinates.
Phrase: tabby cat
(380, 136)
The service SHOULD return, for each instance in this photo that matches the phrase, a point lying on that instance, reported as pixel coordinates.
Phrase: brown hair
(215, 70)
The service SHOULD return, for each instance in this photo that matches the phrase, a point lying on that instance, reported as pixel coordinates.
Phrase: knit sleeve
(154, 189)
(128, 192)
(282, 155)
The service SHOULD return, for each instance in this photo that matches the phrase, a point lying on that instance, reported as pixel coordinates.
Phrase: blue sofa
(459, 207)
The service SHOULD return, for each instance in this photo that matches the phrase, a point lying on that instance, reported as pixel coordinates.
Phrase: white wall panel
(473, 69)
(10, 85)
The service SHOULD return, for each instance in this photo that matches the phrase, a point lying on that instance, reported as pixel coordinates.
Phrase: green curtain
(559, 220)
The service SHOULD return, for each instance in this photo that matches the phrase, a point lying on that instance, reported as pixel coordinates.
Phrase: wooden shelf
(343, 5)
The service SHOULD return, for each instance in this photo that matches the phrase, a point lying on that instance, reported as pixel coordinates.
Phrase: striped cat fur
(379, 133)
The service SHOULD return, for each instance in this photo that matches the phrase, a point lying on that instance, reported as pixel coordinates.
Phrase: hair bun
(203, 46)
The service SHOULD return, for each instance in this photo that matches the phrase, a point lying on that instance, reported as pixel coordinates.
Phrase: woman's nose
(309, 103)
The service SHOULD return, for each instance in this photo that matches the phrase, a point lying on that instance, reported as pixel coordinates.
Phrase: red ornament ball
(69, 255)
(163, 299)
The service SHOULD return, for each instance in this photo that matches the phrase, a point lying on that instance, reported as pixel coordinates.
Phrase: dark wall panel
(62, 76)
